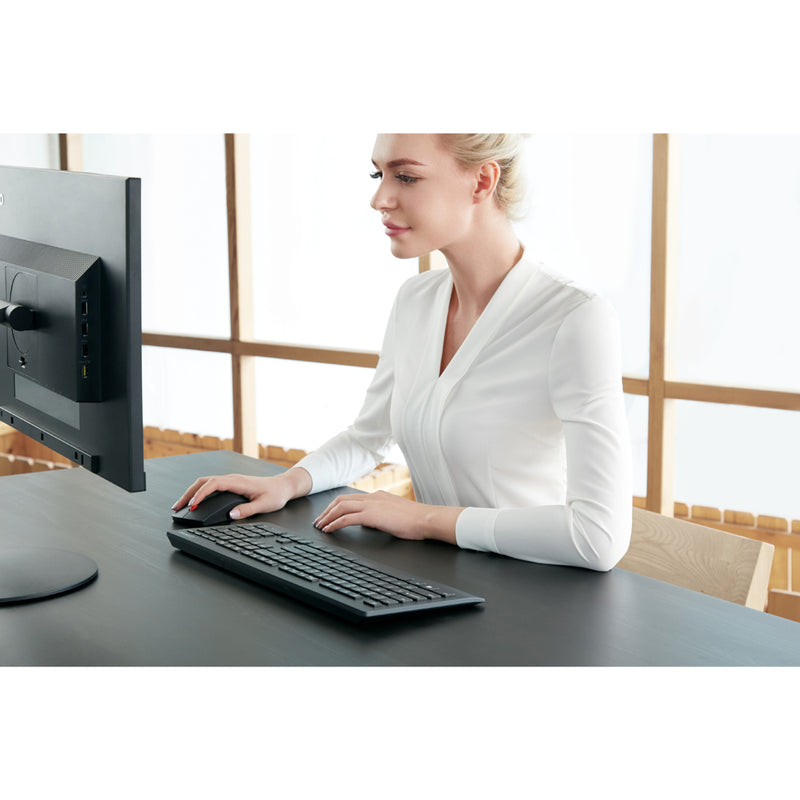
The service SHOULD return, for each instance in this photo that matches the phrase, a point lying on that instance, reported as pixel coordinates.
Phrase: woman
(500, 381)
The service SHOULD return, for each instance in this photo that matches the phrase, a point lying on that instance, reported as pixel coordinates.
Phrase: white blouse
(525, 428)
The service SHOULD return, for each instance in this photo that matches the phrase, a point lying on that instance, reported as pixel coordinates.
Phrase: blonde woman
(500, 381)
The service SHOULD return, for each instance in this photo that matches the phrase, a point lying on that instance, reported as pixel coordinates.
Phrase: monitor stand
(35, 573)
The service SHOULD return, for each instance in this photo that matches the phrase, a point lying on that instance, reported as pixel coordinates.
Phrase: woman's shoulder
(423, 285)
(562, 286)
(568, 294)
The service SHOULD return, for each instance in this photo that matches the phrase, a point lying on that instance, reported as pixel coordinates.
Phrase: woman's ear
(486, 181)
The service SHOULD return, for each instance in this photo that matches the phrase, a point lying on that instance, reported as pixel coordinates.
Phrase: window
(187, 390)
(184, 228)
(301, 405)
(739, 261)
(738, 458)
(736, 324)
(29, 150)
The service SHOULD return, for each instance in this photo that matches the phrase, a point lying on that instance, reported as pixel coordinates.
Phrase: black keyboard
(329, 578)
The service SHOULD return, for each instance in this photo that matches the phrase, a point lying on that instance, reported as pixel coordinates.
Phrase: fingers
(190, 493)
(246, 510)
(343, 511)
(203, 487)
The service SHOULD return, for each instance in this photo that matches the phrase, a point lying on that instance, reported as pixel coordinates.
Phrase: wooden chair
(703, 559)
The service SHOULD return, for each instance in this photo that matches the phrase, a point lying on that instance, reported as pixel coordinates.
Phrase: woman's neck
(480, 263)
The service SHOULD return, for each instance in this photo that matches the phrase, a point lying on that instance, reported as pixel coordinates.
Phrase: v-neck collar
(484, 327)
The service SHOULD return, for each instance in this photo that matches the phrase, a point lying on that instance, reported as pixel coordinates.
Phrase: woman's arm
(592, 529)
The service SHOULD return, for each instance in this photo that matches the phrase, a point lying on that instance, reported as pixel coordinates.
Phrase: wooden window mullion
(240, 271)
(70, 152)
(661, 408)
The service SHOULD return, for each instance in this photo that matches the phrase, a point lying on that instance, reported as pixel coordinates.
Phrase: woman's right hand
(264, 494)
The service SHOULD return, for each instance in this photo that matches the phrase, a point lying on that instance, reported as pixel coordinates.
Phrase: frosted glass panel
(590, 219)
(739, 261)
(187, 391)
(302, 405)
(323, 272)
(737, 458)
(29, 150)
(184, 225)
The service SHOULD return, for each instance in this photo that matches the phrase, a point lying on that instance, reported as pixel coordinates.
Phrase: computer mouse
(213, 510)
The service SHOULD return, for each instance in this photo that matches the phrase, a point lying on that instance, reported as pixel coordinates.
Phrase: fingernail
(235, 514)
(175, 505)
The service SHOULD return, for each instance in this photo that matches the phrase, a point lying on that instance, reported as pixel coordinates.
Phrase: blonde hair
(473, 149)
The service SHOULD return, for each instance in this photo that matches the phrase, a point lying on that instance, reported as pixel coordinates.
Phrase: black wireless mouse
(213, 510)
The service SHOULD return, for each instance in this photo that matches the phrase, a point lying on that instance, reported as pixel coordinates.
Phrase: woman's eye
(377, 175)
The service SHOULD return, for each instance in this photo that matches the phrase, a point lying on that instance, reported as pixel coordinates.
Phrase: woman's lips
(394, 230)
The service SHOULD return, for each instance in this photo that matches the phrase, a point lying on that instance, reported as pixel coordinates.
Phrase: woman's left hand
(399, 516)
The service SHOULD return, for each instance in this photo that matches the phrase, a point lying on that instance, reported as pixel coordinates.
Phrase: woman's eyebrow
(403, 162)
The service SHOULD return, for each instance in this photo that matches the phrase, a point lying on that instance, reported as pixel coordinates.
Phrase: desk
(152, 605)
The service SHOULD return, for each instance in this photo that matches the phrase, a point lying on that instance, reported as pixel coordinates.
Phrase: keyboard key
(340, 590)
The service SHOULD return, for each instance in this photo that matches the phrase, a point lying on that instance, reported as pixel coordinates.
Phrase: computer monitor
(70, 339)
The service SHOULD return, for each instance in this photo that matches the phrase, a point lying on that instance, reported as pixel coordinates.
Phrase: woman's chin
(407, 249)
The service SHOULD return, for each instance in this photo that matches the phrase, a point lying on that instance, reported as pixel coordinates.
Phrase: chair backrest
(697, 557)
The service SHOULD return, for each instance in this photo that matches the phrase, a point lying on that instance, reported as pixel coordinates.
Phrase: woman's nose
(382, 198)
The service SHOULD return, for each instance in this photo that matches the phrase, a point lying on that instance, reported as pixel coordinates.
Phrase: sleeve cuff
(475, 529)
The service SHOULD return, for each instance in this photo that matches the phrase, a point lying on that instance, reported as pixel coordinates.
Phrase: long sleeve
(592, 527)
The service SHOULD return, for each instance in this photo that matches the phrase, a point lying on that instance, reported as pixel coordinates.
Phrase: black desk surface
(152, 605)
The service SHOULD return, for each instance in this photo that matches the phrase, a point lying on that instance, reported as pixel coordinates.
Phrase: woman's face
(424, 196)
